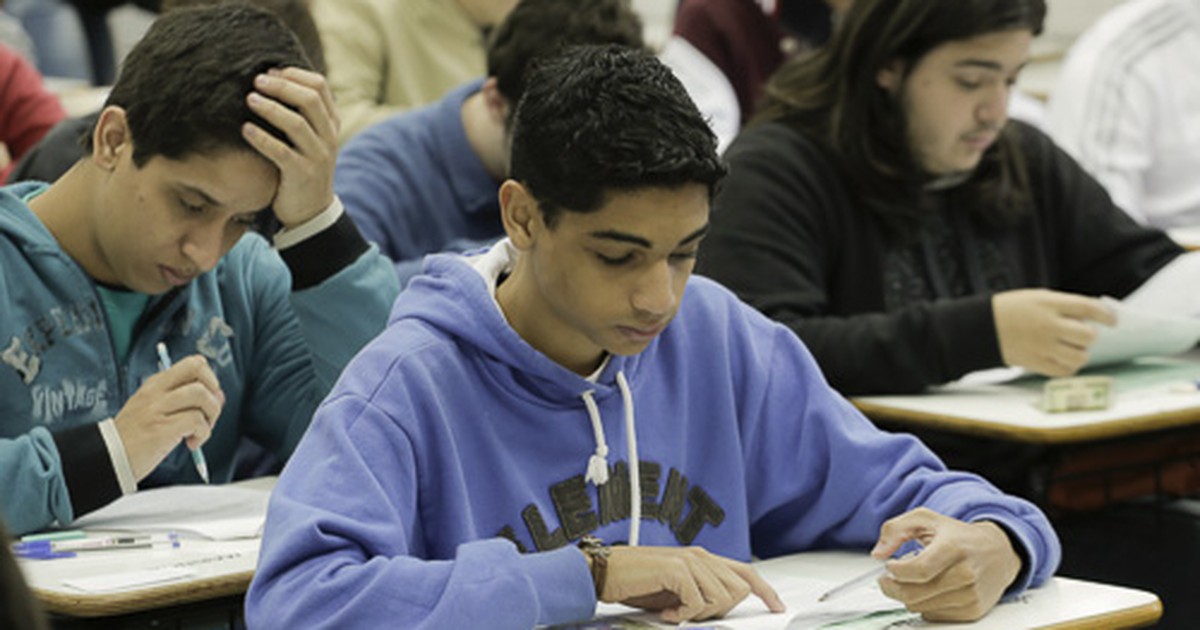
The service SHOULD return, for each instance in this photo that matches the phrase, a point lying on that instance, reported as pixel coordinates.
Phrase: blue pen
(51, 549)
(164, 362)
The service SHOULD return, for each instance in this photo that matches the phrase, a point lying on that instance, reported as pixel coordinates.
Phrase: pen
(68, 534)
(164, 362)
(853, 583)
(50, 549)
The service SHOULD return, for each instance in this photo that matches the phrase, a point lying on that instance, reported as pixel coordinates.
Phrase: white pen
(853, 583)
(164, 362)
(47, 549)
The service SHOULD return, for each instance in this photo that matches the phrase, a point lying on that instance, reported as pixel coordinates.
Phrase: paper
(1172, 290)
(867, 605)
(1160, 317)
(1142, 332)
(129, 580)
(221, 512)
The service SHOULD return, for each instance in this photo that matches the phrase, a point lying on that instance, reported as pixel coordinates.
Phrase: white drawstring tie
(597, 467)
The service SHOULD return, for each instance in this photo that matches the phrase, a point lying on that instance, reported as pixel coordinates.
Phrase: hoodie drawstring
(597, 467)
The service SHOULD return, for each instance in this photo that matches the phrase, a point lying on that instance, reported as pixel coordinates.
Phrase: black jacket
(787, 237)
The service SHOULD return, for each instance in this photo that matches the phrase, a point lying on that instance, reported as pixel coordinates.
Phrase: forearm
(488, 584)
(901, 352)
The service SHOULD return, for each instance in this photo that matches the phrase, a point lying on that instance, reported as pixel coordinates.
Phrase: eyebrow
(987, 65)
(625, 237)
(203, 195)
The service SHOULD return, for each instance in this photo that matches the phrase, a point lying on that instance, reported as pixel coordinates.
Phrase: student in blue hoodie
(574, 384)
(213, 131)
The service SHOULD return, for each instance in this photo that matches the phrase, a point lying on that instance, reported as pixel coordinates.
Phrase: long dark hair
(832, 97)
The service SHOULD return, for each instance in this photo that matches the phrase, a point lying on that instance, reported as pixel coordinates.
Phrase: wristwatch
(597, 552)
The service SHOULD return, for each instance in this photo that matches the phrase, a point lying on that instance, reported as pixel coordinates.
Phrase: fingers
(960, 574)
(192, 399)
(310, 126)
(192, 368)
(919, 525)
(316, 82)
(683, 584)
(691, 601)
(1084, 308)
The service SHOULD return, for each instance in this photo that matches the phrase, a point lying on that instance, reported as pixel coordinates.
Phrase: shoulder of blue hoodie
(276, 352)
(451, 446)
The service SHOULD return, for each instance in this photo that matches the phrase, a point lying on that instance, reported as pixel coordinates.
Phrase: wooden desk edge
(107, 604)
(1135, 425)
(1136, 617)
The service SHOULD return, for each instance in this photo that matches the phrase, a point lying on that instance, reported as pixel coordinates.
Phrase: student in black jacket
(886, 210)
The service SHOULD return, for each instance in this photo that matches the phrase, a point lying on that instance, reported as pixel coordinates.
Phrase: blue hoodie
(445, 478)
(275, 350)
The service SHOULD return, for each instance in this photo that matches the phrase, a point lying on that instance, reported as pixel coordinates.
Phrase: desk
(1061, 604)
(199, 570)
(1151, 395)
(1187, 237)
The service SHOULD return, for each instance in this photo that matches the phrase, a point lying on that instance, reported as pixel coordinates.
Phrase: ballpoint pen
(854, 583)
(50, 549)
(164, 362)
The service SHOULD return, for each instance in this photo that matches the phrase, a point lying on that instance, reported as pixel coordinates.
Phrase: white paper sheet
(220, 512)
(1172, 291)
(1142, 332)
(868, 605)
(129, 580)
(1160, 317)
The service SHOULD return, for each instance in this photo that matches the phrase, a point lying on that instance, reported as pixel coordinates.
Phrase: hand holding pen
(182, 402)
(164, 363)
(961, 572)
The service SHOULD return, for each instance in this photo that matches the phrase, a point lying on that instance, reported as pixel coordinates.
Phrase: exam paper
(866, 607)
(1140, 332)
(1160, 317)
(129, 580)
(220, 512)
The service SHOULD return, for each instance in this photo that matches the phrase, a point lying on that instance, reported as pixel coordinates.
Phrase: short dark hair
(538, 27)
(184, 85)
(598, 119)
(833, 97)
(293, 13)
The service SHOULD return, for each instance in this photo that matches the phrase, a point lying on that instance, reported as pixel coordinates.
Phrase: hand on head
(179, 403)
(1048, 332)
(682, 583)
(959, 575)
(298, 103)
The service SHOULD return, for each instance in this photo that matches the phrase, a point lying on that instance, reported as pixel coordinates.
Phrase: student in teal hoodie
(575, 383)
(214, 131)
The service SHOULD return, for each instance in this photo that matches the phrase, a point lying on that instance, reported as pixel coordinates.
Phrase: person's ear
(497, 105)
(110, 137)
(520, 214)
(891, 76)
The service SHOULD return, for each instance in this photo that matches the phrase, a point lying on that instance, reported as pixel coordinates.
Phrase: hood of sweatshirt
(456, 296)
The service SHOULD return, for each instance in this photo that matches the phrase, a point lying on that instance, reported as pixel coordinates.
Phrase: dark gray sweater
(881, 317)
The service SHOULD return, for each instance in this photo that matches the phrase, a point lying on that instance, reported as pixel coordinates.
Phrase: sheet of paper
(1141, 332)
(1171, 291)
(220, 512)
(129, 580)
(864, 606)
